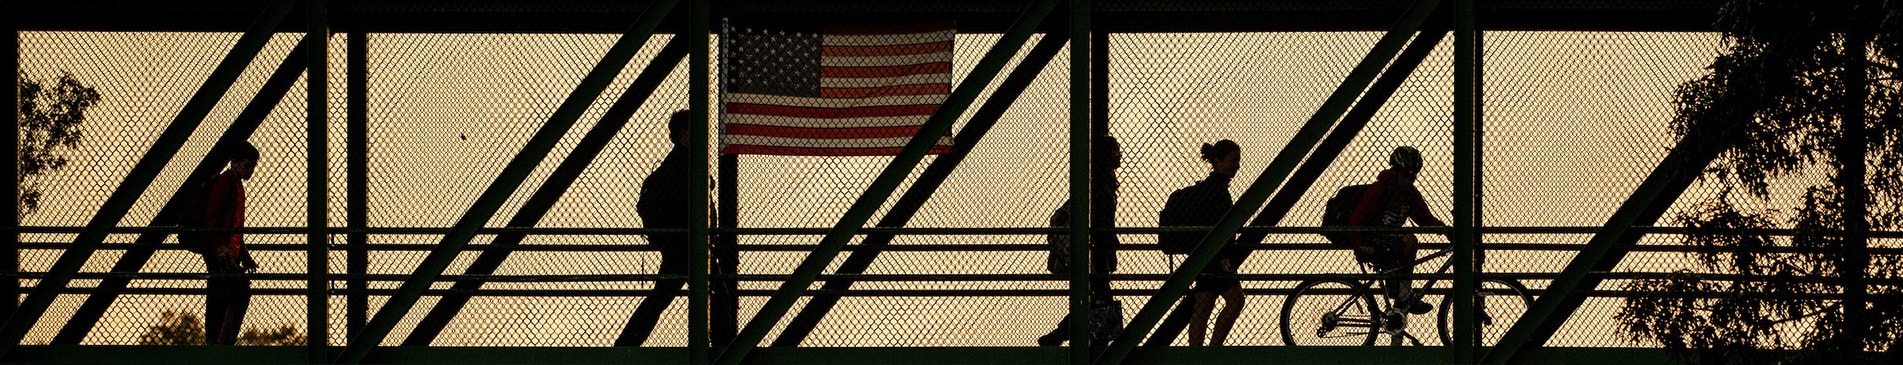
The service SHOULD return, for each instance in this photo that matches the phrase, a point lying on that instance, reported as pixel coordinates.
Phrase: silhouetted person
(228, 291)
(666, 202)
(1107, 155)
(1390, 202)
(1211, 199)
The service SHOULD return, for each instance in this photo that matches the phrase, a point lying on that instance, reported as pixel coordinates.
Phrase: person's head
(1406, 163)
(1107, 150)
(244, 159)
(1224, 157)
(678, 126)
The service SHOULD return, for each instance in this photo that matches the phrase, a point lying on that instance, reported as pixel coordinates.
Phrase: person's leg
(726, 300)
(240, 304)
(1199, 321)
(1100, 288)
(1232, 303)
(1058, 335)
(1393, 259)
(641, 324)
(1409, 250)
(216, 299)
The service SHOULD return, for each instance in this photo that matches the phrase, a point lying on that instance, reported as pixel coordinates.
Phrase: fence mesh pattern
(1574, 121)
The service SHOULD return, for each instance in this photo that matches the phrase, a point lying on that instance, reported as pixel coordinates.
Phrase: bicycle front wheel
(1330, 313)
(1502, 302)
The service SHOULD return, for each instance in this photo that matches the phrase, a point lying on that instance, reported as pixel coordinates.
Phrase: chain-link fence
(1574, 121)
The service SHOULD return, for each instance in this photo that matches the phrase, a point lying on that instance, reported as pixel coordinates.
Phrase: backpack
(190, 213)
(1179, 210)
(1335, 214)
(1059, 260)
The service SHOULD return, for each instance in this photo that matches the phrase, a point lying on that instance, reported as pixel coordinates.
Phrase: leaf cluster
(50, 121)
(1778, 97)
(176, 327)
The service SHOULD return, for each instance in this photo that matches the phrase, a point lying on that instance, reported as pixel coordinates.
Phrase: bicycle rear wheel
(1330, 313)
(1502, 302)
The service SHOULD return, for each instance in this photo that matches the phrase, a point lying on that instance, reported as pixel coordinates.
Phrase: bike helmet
(1405, 158)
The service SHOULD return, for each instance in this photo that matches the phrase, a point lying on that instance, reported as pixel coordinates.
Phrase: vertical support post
(1466, 74)
(888, 180)
(1480, 159)
(1099, 83)
(726, 301)
(1852, 150)
(10, 253)
(506, 182)
(1098, 76)
(1278, 171)
(925, 186)
(357, 180)
(140, 177)
(147, 244)
(1080, 182)
(551, 191)
(699, 22)
(317, 180)
(1648, 202)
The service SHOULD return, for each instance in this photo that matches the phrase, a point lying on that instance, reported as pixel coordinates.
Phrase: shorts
(1215, 279)
(1388, 252)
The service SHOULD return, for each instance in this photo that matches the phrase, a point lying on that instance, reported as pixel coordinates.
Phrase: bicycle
(1342, 312)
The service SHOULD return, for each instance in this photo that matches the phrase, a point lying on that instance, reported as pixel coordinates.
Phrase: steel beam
(10, 252)
(981, 16)
(1078, 24)
(506, 182)
(1654, 196)
(317, 180)
(1853, 151)
(1480, 155)
(1324, 156)
(551, 191)
(888, 180)
(357, 180)
(1466, 106)
(140, 177)
(1278, 171)
(925, 186)
(726, 301)
(699, 22)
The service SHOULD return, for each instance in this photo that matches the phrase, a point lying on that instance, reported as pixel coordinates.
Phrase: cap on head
(1405, 158)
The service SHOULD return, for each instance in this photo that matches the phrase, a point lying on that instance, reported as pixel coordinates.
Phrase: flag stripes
(853, 90)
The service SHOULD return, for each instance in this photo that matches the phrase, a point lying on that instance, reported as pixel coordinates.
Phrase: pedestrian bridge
(461, 186)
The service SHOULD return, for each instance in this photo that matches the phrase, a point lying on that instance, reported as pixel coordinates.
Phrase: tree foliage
(1780, 93)
(186, 328)
(50, 121)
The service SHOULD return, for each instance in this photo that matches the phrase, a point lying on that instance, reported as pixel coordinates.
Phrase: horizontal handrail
(950, 247)
(894, 293)
(805, 231)
(940, 278)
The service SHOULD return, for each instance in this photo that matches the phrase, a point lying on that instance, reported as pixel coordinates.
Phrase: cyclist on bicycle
(1389, 202)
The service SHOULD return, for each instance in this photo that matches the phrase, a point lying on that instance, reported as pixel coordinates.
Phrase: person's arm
(1418, 210)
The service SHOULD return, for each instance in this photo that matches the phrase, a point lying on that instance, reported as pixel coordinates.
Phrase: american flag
(838, 90)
